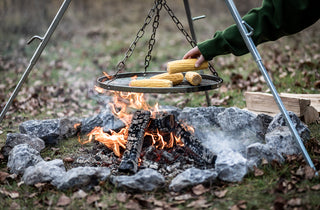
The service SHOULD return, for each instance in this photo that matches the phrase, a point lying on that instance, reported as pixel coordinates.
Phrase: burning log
(193, 144)
(162, 122)
(130, 158)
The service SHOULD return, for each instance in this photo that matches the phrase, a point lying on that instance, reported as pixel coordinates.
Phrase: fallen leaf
(40, 185)
(63, 200)
(199, 189)
(32, 195)
(132, 204)
(93, 198)
(258, 172)
(295, 202)
(220, 194)
(199, 203)
(79, 194)
(242, 204)
(15, 205)
(3, 176)
(68, 160)
(315, 187)
(234, 207)
(122, 197)
(183, 197)
(11, 194)
(309, 172)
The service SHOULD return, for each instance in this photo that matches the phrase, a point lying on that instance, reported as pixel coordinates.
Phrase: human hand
(195, 53)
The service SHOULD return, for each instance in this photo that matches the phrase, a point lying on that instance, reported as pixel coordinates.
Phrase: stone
(192, 177)
(200, 117)
(281, 139)
(82, 177)
(14, 139)
(104, 119)
(51, 131)
(44, 171)
(231, 166)
(21, 157)
(301, 128)
(257, 152)
(233, 119)
(144, 181)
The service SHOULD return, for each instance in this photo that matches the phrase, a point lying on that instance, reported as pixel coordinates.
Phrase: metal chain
(121, 65)
(184, 32)
(152, 40)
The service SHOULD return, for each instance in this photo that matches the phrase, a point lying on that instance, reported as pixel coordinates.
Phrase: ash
(168, 162)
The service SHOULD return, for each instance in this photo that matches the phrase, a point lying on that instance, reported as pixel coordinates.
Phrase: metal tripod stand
(245, 31)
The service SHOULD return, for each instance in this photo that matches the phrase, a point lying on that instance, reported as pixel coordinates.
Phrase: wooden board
(264, 102)
(314, 98)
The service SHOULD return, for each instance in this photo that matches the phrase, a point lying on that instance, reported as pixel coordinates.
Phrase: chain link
(184, 32)
(152, 40)
(158, 4)
(121, 65)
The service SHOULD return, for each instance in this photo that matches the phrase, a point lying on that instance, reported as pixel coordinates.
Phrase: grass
(74, 63)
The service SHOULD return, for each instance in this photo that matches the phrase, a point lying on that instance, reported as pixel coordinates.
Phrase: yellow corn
(184, 65)
(174, 78)
(193, 78)
(151, 83)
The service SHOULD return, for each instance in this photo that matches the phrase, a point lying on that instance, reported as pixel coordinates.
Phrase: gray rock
(257, 151)
(104, 119)
(82, 177)
(232, 119)
(51, 131)
(44, 172)
(192, 177)
(14, 139)
(200, 117)
(301, 128)
(145, 180)
(21, 157)
(172, 110)
(281, 139)
(231, 166)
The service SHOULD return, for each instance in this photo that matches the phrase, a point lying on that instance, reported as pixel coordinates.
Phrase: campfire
(146, 128)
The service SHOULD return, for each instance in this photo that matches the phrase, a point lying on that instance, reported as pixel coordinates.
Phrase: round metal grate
(121, 83)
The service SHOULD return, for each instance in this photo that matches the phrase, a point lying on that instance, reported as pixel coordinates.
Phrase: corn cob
(184, 65)
(174, 78)
(151, 83)
(193, 78)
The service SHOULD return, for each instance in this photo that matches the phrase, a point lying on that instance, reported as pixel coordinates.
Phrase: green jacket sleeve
(274, 19)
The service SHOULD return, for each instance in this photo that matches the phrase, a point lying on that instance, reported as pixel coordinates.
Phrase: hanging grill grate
(120, 81)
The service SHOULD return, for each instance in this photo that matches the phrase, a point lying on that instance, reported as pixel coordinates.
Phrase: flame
(134, 77)
(113, 141)
(107, 75)
(75, 126)
(121, 106)
(99, 89)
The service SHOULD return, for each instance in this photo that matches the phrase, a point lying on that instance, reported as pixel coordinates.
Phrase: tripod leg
(193, 35)
(36, 55)
(254, 52)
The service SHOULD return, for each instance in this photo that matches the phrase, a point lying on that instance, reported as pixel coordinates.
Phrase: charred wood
(130, 158)
(162, 122)
(194, 145)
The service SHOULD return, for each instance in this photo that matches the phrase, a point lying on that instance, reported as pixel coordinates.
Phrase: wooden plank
(314, 98)
(264, 102)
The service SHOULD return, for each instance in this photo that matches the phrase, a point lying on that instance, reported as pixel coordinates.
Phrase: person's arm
(274, 19)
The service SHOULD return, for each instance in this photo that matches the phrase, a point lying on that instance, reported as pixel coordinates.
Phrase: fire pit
(152, 147)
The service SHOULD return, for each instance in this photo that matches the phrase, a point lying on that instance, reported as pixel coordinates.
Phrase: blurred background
(93, 37)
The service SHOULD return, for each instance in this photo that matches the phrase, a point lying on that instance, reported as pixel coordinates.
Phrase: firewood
(130, 158)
